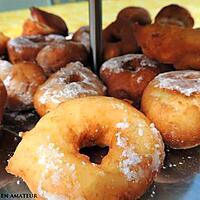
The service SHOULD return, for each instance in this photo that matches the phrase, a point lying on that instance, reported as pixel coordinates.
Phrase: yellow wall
(76, 14)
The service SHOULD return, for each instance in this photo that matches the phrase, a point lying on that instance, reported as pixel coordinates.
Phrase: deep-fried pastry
(44, 23)
(170, 44)
(175, 15)
(49, 161)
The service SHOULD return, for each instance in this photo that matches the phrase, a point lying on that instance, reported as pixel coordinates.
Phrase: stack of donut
(51, 74)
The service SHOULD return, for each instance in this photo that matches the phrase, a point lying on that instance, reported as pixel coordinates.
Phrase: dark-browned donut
(135, 15)
(56, 55)
(175, 15)
(119, 39)
(127, 76)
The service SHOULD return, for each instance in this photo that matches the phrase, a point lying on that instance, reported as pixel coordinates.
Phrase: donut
(21, 81)
(44, 23)
(3, 42)
(26, 48)
(175, 15)
(56, 55)
(82, 35)
(3, 99)
(127, 76)
(57, 170)
(119, 39)
(135, 15)
(70, 82)
(177, 96)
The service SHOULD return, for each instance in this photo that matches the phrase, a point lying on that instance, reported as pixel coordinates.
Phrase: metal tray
(179, 179)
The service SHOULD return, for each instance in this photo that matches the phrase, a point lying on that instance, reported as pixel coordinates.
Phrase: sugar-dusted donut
(21, 81)
(175, 15)
(70, 82)
(26, 48)
(135, 15)
(119, 39)
(56, 169)
(82, 35)
(127, 76)
(56, 55)
(3, 99)
(44, 23)
(172, 102)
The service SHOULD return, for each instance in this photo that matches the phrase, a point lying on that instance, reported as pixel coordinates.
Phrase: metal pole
(95, 11)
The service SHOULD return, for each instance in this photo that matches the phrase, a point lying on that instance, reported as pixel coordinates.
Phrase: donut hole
(95, 153)
(130, 66)
(74, 78)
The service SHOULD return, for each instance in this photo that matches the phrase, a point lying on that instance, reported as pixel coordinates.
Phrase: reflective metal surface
(178, 180)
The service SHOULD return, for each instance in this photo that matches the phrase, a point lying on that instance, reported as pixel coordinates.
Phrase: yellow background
(76, 14)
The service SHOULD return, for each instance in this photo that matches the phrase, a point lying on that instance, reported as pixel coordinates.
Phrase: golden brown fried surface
(44, 23)
(170, 44)
(135, 15)
(49, 161)
(175, 15)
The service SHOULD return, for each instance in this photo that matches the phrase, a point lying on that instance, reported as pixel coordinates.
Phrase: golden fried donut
(26, 48)
(135, 15)
(119, 39)
(3, 42)
(3, 99)
(44, 23)
(21, 81)
(172, 102)
(56, 169)
(175, 15)
(82, 35)
(127, 76)
(56, 55)
(170, 44)
(70, 82)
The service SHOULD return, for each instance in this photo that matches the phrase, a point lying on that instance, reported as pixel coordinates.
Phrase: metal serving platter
(179, 179)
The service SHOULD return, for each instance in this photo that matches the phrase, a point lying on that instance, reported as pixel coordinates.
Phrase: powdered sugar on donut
(129, 159)
(59, 87)
(187, 82)
(52, 159)
(115, 65)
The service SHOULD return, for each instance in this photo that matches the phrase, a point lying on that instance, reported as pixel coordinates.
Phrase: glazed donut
(119, 39)
(135, 15)
(70, 82)
(127, 76)
(21, 81)
(44, 23)
(26, 48)
(57, 170)
(3, 99)
(177, 96)
(56, 55)
(3, 42)
(175, 15)
(82, 35)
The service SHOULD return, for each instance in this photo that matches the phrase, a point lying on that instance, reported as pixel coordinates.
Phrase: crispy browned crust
(170, 44)
(135, 15)
(175, 15)
(44, 23)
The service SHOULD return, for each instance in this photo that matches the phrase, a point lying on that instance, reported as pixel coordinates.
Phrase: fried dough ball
(172, 102)
(56, 55)
(135, 15)
(170, 44)
(44, 23)
(21, 81)
(175, 15)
